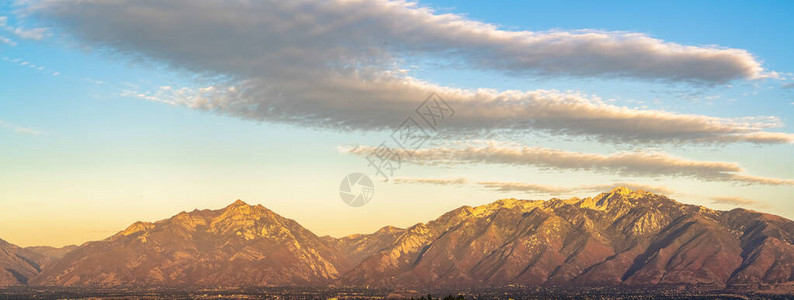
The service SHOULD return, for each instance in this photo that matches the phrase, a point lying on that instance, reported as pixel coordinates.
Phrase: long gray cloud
(382, 102)
(336, 64)
(508, 186)
(639, 163)
(252, 35)
(512, 186)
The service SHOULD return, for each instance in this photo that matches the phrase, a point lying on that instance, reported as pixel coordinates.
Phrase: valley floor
(361, 293)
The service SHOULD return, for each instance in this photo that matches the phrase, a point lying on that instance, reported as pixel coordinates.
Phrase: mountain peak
(241, 206)
(389, 229)
(136, 227)
(237, 203)
(622, 190)
(629, 193)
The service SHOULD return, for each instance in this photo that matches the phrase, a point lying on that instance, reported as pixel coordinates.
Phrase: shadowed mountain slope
(19, 265)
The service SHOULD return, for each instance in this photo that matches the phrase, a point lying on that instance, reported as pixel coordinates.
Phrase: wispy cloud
(7, 41)
(23, 63)
(638, 163)
(436, 181)
(32, 34)
(30, 131)
(94, 81)
(20, 129)
(737, 201)
(29, 34)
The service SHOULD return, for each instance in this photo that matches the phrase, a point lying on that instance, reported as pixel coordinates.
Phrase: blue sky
(83, 153)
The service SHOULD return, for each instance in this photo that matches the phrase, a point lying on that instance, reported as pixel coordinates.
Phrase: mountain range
(621, 238)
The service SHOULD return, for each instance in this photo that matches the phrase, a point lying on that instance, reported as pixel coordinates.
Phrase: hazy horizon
(317, 231)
